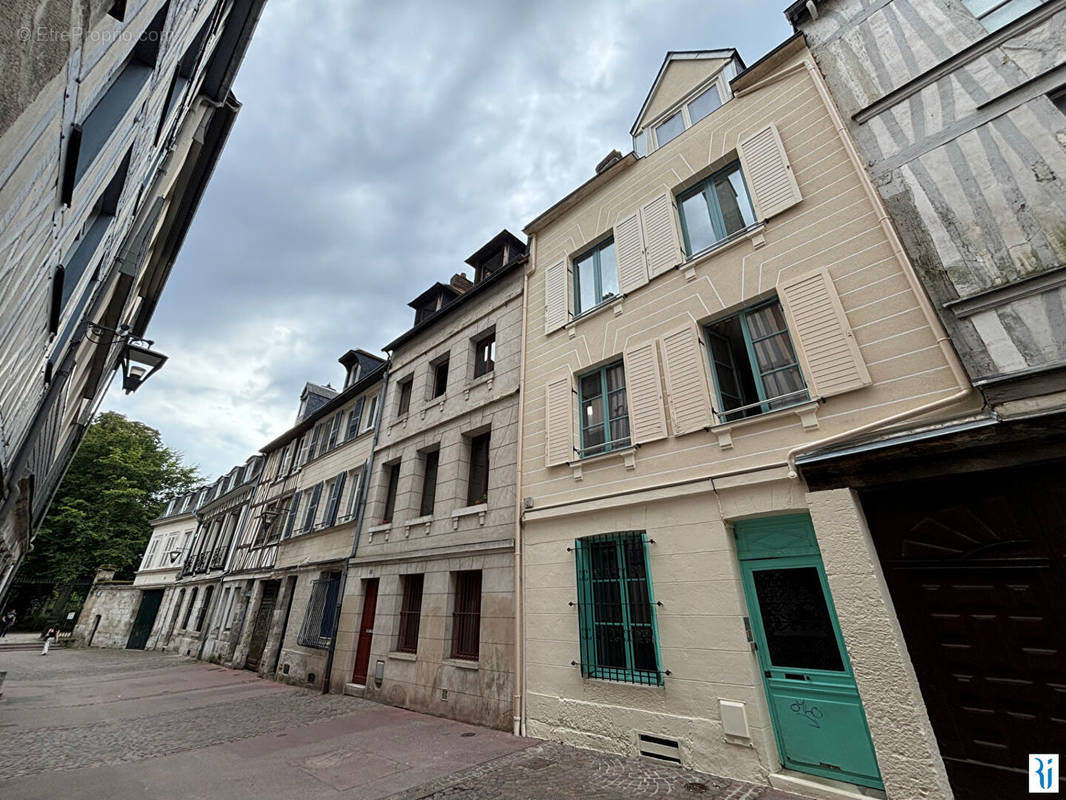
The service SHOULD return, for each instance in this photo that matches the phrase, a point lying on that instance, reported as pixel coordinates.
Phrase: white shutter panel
(824, 342)
(559, 410)
(662, 245)
(556, 305)
(644, 393)
(768, 174)
(629, 253)
(686, 381)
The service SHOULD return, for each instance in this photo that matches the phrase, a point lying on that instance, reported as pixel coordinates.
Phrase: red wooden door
(366, 632)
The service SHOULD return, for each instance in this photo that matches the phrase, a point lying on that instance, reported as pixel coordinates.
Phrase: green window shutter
(585, 626)
(294, 507)
(312, 507)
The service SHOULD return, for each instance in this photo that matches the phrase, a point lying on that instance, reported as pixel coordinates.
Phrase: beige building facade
(699, 313)
(427, 619)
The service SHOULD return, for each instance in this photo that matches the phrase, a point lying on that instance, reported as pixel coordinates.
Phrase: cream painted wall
(685, 491)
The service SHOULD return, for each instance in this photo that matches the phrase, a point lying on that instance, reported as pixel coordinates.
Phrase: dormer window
(710, 99)
(669, 130)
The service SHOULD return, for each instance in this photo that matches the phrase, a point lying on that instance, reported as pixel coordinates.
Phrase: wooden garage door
(977, 574)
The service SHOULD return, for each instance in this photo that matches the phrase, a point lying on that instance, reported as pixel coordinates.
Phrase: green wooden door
(814, 705)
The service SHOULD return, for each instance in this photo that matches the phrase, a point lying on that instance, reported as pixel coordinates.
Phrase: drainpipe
(360, 508)
(518, 706)
(942, 339)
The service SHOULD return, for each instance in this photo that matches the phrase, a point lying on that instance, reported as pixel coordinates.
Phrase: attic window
(696, 109)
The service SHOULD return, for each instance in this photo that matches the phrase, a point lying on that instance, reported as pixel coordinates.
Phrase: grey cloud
(378, 146)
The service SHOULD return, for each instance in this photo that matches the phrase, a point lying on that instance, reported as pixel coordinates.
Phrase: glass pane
(766, 320)
(584, 272)
(669, 129)
(608, 271)
(733, 200)
(620, 431)
(1008, 13)
(697, 223)
(593, 439)
(590, 386)
(640, 144)
(592, 413)
(616, 404)
(643, 648)
(783, 382)
(795, 619)
(616, 377)
(704, 105)
(774, 352)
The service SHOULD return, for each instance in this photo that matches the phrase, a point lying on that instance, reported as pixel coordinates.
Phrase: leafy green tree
(121, 477)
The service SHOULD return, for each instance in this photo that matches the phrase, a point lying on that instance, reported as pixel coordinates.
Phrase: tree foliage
(120, 479)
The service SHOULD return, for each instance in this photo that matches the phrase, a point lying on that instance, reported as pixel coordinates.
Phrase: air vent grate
(659, 748)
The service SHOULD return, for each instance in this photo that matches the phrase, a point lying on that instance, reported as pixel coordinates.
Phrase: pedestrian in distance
(48, 637)
(8, 622)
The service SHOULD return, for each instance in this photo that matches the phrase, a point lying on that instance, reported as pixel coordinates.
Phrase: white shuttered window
(769, 175)
(825, 343)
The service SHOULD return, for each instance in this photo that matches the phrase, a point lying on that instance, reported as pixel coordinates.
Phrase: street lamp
(139, 364)
(139, 361)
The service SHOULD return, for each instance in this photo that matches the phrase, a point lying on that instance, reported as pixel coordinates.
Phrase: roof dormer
(690, 86)
(499, 250)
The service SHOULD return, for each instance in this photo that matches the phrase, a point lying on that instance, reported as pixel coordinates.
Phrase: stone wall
(116, 606)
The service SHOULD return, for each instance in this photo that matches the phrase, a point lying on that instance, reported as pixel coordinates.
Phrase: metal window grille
(466, 618)
(619, 637)
(410, 614)
(317, 628)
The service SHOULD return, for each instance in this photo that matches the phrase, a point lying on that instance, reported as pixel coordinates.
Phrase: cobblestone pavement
(139, 725)
(550, 771)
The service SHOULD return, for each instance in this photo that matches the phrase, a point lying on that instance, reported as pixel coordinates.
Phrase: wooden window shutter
(825, 345)
(644, 392)
(294, 509)
(686, 381)
(556, 300)
(768, 174)
(663, 247)
(559, 410)
(629, 253)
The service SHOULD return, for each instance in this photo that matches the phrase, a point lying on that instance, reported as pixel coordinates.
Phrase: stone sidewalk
(130, 724)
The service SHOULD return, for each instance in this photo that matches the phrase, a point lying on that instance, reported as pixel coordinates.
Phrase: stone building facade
(958, 110)
(195, 603)
(427, 618)
(112, 117)
(290, 564)
(699, 313)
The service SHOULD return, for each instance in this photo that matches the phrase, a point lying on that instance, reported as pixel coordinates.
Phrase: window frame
(410, 616)
(392, 483)
(479, 494)
(461, 614)
(995, 8)
(316, 630)
(595, 252)
(368, 423)
(429, 482)
(488, 364)
(404, 389)
(608, 444)
(437, 389)
(586, 607)
(763, 404)
(714, 209)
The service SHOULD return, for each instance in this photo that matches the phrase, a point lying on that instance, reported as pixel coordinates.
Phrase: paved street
(129, 724)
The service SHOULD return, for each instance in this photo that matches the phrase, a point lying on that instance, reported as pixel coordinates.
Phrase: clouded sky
(379, 145)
